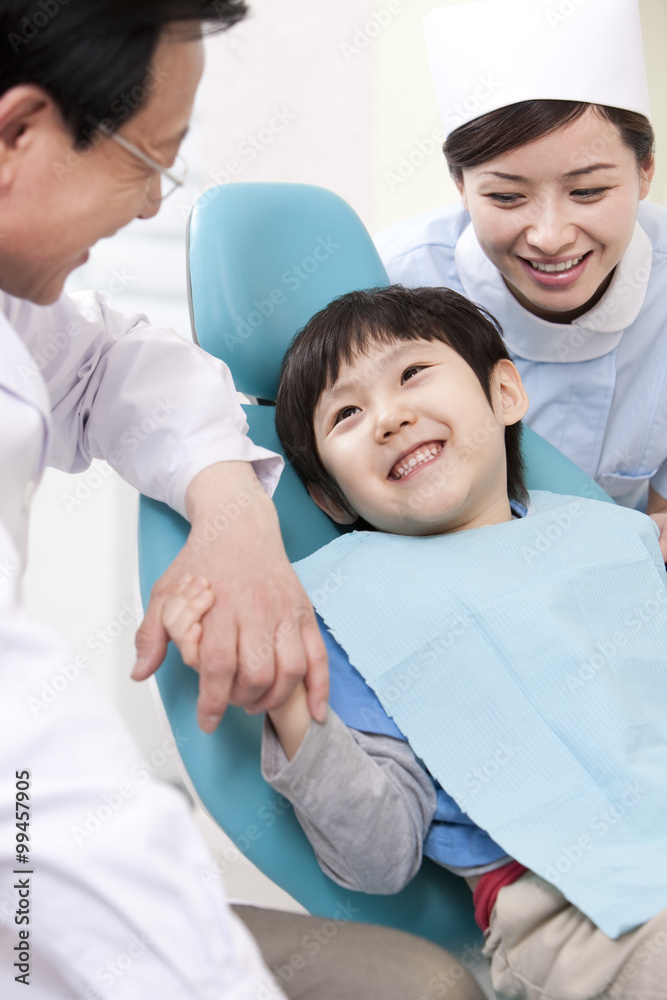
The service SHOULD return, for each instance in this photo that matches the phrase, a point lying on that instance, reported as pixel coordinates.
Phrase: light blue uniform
(597, 386)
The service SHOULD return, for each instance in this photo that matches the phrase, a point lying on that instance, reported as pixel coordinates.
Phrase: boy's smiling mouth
(421, 455)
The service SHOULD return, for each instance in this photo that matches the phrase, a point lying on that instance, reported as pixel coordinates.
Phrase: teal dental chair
(262, 259)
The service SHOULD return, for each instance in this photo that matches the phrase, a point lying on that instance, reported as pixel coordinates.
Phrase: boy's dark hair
(346, 328)
(92, 56)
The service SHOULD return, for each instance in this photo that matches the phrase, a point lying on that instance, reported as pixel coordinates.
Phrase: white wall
(355, 77)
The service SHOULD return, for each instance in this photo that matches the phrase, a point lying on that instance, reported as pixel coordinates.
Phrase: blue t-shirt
(453, 840)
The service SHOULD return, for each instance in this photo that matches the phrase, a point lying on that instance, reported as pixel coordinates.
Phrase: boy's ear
(510, 397)
(335, 512)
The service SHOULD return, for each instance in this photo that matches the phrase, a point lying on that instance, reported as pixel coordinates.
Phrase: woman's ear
(334, 510)
(646, 174)
(461, 187)
(510, 397)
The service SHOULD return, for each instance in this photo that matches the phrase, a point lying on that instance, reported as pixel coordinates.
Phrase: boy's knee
(314, 958)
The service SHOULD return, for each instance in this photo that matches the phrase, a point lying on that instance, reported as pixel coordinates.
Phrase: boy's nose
(390, 421)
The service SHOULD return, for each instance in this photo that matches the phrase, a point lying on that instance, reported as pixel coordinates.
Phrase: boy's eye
(412, 370)
(347, 411)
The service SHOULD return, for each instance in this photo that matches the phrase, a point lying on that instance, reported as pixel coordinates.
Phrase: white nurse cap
(497, 52)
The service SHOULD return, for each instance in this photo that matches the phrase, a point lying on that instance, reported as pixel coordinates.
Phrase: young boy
(520, 666)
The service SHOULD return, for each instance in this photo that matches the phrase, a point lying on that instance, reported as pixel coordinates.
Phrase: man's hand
(260, 637)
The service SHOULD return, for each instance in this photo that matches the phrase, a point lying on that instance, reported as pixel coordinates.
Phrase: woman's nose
(551, 230)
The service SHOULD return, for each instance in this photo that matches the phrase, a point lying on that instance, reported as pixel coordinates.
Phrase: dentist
(101, 891)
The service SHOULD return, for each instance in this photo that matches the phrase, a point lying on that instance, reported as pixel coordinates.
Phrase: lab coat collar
(592, 335)
(18, 373)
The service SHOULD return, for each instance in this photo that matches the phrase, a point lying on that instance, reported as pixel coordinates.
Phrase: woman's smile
(554, 218)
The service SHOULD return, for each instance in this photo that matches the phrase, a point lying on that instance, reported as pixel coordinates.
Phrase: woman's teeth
(417, 457)
(564, 265)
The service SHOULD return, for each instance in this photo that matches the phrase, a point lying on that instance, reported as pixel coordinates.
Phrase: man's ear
(22, 108)
(510, 397)
(335, 512)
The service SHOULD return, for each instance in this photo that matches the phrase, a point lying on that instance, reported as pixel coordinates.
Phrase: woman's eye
(504, 199)
(347, 411)
(412, 370)
(589, 194)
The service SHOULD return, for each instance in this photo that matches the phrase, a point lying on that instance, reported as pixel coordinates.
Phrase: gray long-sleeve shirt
(364, 802)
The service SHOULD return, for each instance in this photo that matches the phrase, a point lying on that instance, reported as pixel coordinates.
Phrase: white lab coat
(597, 386)
(116, 897)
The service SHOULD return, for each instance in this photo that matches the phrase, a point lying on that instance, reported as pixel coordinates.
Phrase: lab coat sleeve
(153, 405)
(122, 897)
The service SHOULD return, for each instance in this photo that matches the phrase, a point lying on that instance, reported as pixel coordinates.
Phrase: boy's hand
(182, 613)
(260, 639)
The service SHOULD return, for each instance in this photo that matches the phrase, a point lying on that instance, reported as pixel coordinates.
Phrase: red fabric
(488, 887)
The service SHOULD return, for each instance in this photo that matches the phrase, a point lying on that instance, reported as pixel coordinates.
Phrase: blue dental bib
(526, 663)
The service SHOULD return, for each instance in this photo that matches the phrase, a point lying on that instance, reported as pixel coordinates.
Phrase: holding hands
(234, 605)
(182, 614)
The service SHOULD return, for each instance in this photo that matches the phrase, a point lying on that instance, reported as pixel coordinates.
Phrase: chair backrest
(262, 259)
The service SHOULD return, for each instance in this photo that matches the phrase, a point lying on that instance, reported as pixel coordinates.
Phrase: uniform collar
(592, 335)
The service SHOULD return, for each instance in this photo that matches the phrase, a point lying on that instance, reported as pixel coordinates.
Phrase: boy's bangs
(356, 338)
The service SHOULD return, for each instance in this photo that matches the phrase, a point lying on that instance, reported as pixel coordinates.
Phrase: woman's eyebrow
(591, 169)
(518, 178)
(503, 176)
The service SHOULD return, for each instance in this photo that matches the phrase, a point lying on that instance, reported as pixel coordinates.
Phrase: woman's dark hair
(92, 56)
(347, 328)
(516, 125)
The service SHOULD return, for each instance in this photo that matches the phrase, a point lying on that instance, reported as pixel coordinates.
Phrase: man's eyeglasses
(170, 177)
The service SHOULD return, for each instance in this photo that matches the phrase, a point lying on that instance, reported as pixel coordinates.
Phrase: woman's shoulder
(420, 250)
(440, 226)
(653, 220)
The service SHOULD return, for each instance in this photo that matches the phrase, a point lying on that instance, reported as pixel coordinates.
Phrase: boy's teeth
(564, 265)
(417, 457)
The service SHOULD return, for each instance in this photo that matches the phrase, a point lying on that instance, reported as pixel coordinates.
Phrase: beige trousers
(543, 948)
(314, 958)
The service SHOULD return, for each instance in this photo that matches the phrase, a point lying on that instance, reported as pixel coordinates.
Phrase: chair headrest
(263, 259)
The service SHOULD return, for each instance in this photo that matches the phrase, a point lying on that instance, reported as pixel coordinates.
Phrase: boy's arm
(363, 800)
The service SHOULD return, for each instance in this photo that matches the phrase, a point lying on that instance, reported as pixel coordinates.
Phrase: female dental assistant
(553, 235)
